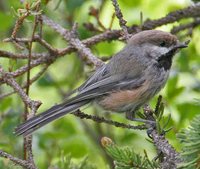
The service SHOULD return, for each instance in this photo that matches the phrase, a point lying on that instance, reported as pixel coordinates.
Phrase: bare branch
(34, 63)
(11, 55)
(19, 23)
(45, 44)
(73, 41)
(23, 163)
(95, 12)
(110, 122)
(182, 27)
(122, 22)
(11, 82)
(191, 11)
(32, 80)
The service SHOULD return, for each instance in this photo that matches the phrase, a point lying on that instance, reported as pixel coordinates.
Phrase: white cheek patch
(157, 51)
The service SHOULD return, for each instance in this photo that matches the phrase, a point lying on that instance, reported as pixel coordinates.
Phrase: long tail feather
(46, 117)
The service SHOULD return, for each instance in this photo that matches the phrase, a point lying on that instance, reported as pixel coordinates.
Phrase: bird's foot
(131, 116)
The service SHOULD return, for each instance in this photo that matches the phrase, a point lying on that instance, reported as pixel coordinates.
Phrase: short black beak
(176, 47)
(180, 45)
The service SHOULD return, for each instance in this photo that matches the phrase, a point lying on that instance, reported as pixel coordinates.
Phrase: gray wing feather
(99, 74)
(122, 66)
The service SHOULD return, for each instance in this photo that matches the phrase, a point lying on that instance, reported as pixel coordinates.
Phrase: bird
(129, 80)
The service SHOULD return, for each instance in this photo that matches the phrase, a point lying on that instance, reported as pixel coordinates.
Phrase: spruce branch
(190, 141)
(126, 157)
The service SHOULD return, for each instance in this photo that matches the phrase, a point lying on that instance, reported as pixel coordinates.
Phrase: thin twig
(15, 160)
(11, 82)
(11, 55)
(45, 44)
(122, 22)
(182, 27)
(110, 122)
(28, 153)
(95, 12)
(32, 80)
(191, 11)
(111, 21)
(19, 23)
(73, 41)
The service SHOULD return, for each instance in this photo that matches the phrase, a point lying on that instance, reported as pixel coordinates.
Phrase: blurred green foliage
(71, 135)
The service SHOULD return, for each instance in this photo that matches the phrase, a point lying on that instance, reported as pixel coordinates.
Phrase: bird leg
(130, 115)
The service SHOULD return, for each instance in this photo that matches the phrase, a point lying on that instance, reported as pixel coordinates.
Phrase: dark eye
(162, 44)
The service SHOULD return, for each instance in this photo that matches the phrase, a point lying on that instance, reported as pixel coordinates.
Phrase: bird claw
(131, 116)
